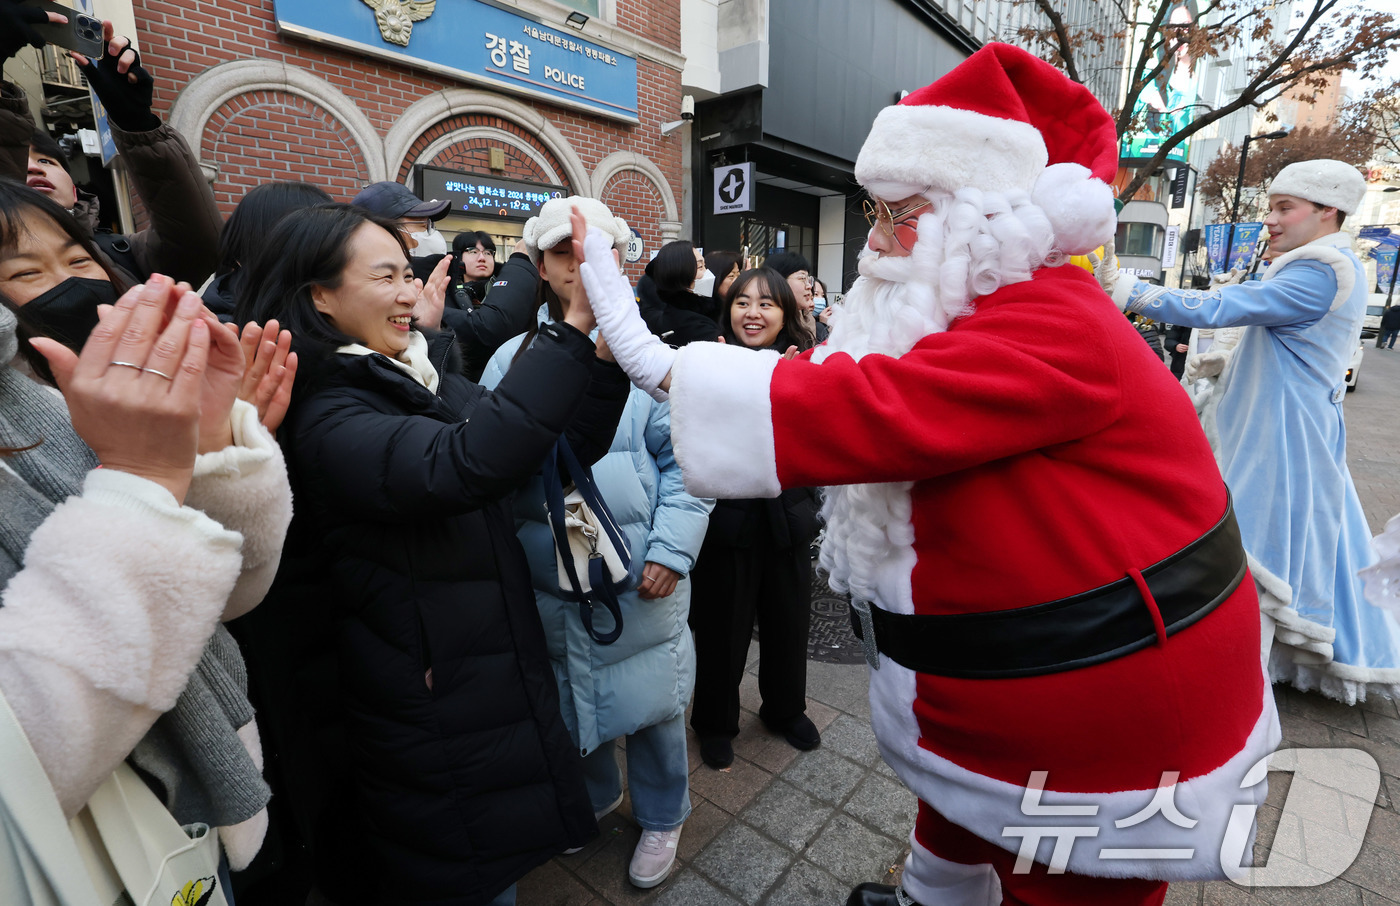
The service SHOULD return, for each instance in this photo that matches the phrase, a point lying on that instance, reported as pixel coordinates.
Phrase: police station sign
(475, 42)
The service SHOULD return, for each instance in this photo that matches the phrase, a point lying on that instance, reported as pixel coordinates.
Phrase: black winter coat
(507, 310)
(399, 660)
(1390, 319)
(678, 317)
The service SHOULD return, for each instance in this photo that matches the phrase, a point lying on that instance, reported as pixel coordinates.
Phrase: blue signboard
(1385, 266)
(485, 196)
(1241, 253)
(476, 42)
(1373, 232)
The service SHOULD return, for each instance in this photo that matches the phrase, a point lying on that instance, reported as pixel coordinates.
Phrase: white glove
(1109, 277)
(637, 350)
(1236, 275)
(1206, 365)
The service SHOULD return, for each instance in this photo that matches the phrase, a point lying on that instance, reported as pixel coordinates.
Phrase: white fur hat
(1329, 183)
(551, 225)
(1002, 121)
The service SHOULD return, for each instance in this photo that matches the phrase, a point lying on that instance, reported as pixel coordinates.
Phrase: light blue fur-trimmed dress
(1283, 455)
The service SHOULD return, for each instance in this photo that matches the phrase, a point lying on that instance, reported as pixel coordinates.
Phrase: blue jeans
(504, 898)
(658, 774)
(1387, 339)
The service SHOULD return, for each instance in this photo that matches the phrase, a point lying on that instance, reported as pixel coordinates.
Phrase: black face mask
(68, 312)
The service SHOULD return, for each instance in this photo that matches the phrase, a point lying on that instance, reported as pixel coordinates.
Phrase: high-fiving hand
(641, 354)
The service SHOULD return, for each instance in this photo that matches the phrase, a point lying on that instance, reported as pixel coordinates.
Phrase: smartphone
(83, 33)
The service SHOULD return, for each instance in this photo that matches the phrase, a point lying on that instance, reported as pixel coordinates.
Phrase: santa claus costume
(1065, 638)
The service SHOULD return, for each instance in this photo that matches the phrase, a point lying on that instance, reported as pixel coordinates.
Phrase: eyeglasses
(480, 253)
(808, 280)
(420, 225)
(877, 213)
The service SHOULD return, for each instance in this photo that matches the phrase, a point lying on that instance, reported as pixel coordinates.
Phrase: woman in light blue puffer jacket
(640, 685)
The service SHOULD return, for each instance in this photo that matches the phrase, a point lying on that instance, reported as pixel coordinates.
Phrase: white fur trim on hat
(551, 225)
(1329, 183)
(950, 149)
(1080, 207)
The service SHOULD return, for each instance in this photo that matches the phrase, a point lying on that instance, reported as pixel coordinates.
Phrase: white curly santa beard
(968, 245)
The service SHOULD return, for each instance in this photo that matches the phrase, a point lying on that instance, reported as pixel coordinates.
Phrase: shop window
(1141, 239)
(591, 8)
(762, 239)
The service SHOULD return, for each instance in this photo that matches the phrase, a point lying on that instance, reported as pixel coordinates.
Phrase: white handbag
(160, 862)
(46, 861)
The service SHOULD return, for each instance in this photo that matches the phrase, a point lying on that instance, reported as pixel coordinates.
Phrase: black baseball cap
(393, 200)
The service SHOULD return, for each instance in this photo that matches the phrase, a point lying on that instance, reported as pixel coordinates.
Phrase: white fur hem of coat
(722, 420)
(988, 807)
(1302, 657)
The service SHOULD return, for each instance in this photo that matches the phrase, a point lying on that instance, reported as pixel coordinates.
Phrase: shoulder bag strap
(602, 589)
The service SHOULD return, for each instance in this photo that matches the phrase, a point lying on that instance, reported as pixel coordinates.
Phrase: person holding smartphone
(183, 239)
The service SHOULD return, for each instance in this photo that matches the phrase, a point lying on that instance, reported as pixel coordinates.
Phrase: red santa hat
(1002, 120)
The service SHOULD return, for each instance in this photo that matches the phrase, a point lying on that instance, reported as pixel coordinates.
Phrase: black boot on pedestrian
(799, 731)
(871, 894)
(716, 751)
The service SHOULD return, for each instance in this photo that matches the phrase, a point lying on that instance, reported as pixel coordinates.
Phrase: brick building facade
(258, 104)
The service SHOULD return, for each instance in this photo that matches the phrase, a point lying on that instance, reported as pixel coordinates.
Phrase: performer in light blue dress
(1283, 437)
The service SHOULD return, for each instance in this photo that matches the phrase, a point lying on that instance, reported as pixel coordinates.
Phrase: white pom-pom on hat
(1079, 206)
(551, 226)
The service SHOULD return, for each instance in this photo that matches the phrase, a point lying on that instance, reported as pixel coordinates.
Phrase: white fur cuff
(252, 444)
(722, 420)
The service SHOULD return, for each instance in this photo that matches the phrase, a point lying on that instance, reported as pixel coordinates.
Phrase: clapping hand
(270, 373)
(136, 391)
(432, 296)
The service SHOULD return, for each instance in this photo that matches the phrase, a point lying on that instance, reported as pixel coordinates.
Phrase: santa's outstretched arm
(748, 423)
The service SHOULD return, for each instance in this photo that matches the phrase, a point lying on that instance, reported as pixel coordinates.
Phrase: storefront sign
(1169, 250)
(484, 196)
(1179, 181)
(475, 42)
(733, 188)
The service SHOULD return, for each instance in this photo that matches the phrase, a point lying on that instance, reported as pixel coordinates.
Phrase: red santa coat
(1050, 452)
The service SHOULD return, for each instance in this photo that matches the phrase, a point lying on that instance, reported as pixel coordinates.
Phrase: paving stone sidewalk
(788, 828)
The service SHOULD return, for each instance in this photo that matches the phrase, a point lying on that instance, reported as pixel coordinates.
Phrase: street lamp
(1239, 184)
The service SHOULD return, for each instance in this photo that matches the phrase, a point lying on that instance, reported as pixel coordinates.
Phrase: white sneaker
(654, 857)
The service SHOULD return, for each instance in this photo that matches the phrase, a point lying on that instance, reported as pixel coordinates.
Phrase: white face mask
(429, 243)
(705, 284)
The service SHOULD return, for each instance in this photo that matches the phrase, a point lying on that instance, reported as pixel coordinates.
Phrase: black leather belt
(1088, 628)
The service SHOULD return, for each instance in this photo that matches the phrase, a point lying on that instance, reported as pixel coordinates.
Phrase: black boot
(870, 894)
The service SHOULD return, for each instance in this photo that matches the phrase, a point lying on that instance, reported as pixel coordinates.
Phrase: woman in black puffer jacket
(670, 308)
(400, 657)
(755, 562)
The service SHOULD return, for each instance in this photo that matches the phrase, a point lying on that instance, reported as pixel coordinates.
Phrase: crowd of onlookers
(292, 511)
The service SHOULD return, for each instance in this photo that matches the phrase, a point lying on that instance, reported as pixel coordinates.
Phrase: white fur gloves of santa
(637, 350)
